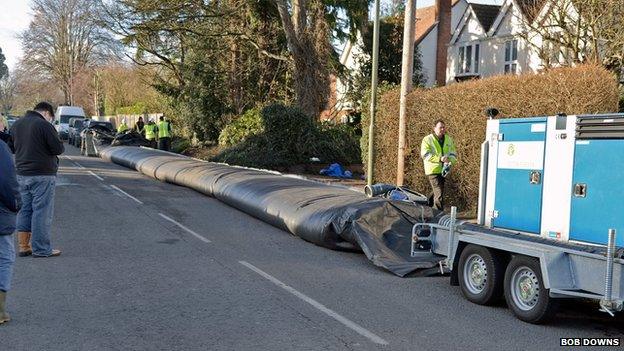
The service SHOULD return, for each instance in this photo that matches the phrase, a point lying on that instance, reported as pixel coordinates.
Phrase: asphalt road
(153, 266)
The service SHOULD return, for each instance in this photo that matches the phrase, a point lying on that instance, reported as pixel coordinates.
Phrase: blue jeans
(7, 257)
(37, 210)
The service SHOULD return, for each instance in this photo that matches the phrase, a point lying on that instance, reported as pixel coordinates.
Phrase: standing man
(164, 134)
(438, 153)
(138, 126)
(37, 145)
(9, 205)
(150, 132)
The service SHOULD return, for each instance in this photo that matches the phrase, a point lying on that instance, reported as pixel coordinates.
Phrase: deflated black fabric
(329, 216)
(130, 138)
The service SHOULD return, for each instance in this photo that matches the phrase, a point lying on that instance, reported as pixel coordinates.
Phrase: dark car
(106, 126)
(76, 125)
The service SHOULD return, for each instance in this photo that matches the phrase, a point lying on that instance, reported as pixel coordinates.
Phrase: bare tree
(308, 37)
(66, 37)
(568, 32)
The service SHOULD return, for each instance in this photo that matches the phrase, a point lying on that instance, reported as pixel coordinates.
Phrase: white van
(62, 116)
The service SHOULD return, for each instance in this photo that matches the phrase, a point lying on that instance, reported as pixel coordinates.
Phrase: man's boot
(4, 317)
(23, 239)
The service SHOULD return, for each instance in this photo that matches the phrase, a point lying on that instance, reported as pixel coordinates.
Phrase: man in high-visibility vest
(151, 131)
(164, 134)
(123, 126)
(439, 155)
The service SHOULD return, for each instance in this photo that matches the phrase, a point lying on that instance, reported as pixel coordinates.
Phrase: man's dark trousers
(164, 144)
(436, 199)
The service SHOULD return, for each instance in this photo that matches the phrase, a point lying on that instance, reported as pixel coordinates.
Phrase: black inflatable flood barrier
(329, 216)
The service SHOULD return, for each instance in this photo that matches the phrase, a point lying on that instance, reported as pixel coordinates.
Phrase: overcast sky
(15, 16)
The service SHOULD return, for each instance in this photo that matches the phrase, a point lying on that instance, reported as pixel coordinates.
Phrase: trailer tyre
(481, 273)
(525, 293)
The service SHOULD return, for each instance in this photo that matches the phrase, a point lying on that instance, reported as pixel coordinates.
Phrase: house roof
(486, 14)
(426, 20)
(530, 8)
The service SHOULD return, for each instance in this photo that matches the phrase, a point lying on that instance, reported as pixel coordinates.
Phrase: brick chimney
(443, 14)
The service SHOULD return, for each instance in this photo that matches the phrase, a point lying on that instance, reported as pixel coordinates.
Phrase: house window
(511, 56)
(468, 62)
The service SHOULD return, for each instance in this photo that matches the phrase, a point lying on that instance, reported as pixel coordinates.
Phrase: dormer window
(468, 63)
(511, 56)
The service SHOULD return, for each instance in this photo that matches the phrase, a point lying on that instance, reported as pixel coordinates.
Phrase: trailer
(549, 214)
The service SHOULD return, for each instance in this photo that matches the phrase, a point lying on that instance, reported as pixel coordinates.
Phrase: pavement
(148, 265)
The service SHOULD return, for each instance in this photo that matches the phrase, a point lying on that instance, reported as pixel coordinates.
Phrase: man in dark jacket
(37, 145)
(9, 205)
(138, 126)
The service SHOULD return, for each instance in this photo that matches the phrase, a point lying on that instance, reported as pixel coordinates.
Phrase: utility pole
(407, 73)
(373, 105)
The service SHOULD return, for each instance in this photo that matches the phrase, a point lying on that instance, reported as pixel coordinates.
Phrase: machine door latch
(580, 190)
(535, 177)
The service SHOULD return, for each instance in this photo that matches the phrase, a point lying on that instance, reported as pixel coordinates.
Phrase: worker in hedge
(164, 134)
(123, 126)
(439, 155)
(151, 131)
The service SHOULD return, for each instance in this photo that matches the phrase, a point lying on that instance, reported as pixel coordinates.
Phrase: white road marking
(82, 167)
(95, 175)
(185, 228)
(349, 324)
(128, 195)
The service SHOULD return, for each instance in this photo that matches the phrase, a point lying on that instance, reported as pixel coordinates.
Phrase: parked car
(108, 126)
(62, 116)
(76, 125)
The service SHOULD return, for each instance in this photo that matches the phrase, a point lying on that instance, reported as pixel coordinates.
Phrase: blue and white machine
(560, 177)
(551, 218)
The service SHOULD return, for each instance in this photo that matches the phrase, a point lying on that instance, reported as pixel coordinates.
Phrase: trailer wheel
(525, 293)
(481, 274)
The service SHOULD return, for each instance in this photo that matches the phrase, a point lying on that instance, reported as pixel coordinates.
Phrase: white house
(428, 36)
(462, 39)
(494, 40)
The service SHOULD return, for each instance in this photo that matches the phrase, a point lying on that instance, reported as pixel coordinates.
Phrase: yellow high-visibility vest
(163, 129)
(150, 131)
(431, 153)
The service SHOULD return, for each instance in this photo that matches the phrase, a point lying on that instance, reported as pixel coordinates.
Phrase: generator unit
(560, 177)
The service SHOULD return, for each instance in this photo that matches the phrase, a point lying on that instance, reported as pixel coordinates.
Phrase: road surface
(153, 266)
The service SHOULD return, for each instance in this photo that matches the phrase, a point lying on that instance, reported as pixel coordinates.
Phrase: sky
(15, 16)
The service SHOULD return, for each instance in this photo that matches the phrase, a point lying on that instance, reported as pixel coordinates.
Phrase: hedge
(582, 89)
(282, 136)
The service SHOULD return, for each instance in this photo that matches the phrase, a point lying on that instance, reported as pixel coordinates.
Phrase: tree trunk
(308, 41)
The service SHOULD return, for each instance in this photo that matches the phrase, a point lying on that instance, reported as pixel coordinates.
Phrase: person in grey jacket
(37, 146)
(9, 206)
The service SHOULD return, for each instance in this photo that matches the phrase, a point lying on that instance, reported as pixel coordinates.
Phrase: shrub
(290, 137)
(336, 143)
(583, 89)
(180, 145)
(250, 123)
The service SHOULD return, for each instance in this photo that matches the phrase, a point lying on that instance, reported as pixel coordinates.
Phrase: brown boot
(4, 317)
(23, 239)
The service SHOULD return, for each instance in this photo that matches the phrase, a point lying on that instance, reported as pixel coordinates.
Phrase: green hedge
(250, 123)
(582, 89)
(287, 137)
